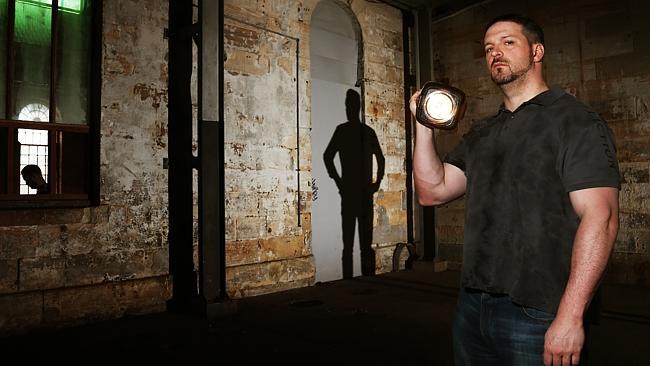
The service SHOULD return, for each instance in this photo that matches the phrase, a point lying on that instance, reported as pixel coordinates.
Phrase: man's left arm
(592, 246)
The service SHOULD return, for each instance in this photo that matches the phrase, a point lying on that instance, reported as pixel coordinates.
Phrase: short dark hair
(31, 169)
(532, 30)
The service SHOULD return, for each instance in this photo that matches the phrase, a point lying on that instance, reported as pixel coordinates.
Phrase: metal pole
(181, 263)
(212, 210)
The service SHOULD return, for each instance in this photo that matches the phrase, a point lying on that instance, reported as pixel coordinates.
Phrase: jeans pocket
(535, 314)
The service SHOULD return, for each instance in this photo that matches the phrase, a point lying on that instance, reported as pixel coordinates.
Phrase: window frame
(12, 198)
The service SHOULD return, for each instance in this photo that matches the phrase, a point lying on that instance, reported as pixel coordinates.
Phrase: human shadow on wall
(356, 143)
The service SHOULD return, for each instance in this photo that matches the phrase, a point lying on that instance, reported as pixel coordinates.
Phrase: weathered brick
(633, 149)
(81, 239)
(241, 252)
(634, 197)
(284, 225)
(281, 248)
(269, 277)
(20, 312)
(8, 276)
(634, 220)
(243, 37)
(397, 216)
(384, 259)
(50, 240)
(243, 10)
(635, 175)
(389, 199)
(628, 269)
(306, 221)
(450, 252)
(64, 216)
(105, 301)
(22, 217)
(246, 63)
(613, 22)
(389, 234)
(450, 234)
(618, 66)
(231, 228)
(243, 204)
(450, 217)
(17, 242)
(251, 227)
(382, 55)
(87, 269)
(41, 273)
(118, 216)
(396, 181)
(634, 241)
(100, 214)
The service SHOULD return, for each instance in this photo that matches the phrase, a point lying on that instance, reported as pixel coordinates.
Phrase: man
(356, 144)
(33, 176)
(541, 184)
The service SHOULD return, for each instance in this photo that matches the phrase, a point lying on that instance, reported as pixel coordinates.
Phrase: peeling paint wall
(266, 248)
(63, 266)
(66, 266)
(596, 50)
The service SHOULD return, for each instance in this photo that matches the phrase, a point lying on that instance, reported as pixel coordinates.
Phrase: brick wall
(66, 266)
(596, 50)
(266, 249)
(62, 266)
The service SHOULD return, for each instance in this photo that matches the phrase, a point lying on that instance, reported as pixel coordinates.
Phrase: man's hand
(413, 102)
(563, 342)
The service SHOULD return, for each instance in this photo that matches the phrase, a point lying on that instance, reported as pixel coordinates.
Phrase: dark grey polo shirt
(520, 168)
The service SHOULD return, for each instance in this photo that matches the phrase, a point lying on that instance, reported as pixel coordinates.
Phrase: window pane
(74, 163)
(32, 36)
(3, 56)
(32, 152)
(73, 57)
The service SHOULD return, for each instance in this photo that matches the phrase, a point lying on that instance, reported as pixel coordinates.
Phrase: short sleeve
(589, 159)
(457, 156)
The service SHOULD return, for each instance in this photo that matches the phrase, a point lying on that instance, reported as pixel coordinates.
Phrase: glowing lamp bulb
(440, 106)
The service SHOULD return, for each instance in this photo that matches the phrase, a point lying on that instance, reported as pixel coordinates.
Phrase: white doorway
(334, 56)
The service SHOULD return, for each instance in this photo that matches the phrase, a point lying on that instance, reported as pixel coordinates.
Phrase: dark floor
(397, 318)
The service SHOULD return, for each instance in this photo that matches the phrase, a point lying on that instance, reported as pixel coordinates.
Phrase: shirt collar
(544, 98)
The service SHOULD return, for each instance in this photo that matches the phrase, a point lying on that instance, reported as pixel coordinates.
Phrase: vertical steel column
(181, 263)
(11, 59)
(95, 102)
(424, 74)
(408, 24)
(212, 241)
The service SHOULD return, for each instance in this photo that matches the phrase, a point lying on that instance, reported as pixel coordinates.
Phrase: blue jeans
(490, 329)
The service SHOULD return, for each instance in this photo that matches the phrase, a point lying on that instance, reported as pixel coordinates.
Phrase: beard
(509, 75)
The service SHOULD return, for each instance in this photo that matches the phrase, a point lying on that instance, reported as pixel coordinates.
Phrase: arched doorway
(334, 53)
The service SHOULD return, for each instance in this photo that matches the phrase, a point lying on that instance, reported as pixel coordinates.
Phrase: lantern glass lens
(439, 106)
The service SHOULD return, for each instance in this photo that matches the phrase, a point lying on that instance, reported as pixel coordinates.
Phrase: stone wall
(267, 250)
(62, 266)
(66, 266)
(596, 50)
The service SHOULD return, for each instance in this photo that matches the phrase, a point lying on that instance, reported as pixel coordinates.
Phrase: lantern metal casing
(440, 106)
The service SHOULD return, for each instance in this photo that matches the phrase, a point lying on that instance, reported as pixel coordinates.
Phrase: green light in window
(71, 6)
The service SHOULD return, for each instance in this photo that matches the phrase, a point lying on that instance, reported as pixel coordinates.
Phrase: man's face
(507, 52)
(31, 180)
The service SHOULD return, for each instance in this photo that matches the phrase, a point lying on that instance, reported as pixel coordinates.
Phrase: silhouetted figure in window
(34, 178)
(355, 143)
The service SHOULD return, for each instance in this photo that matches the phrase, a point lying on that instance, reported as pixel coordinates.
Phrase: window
(47, 98)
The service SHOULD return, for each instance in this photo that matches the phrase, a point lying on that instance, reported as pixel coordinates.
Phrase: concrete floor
(392, 319)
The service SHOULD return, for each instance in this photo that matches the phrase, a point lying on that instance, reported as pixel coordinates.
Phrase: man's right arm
(435, 182)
